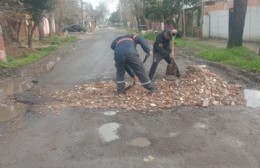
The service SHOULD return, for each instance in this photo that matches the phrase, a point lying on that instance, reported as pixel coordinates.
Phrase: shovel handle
(145, 58)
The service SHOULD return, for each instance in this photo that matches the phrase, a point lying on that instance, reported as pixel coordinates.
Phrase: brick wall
(227, 5)
(2, 47)
(251, 3)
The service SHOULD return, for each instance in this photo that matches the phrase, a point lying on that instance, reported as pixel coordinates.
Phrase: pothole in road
(110, 113)
(9, 112)
(173, 134)
(201, 126)
(252, 98)
(198, 87)
(140, 142)
(108, 132)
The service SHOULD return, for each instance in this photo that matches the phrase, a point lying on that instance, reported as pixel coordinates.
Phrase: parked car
(74, 28)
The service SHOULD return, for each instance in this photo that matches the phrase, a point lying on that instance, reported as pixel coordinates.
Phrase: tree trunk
(237, 22)
(50, 23)
(14, 29)
(138, 23)
(30, 34)
(170, 24)
(41, 31)
(19, 30)
(178, 20)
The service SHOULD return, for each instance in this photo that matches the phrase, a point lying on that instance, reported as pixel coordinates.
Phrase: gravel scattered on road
(198, 87)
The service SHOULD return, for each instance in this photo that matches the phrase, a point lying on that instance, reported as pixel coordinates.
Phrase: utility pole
(183, 20)
(202, 19)
(82, 13)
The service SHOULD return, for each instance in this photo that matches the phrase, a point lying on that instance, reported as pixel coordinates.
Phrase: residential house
(215, 20)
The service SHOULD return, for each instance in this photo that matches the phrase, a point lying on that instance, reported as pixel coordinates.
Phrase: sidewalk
(255, 47)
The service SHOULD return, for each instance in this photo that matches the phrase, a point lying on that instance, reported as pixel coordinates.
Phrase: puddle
(233, 142)
(173, 134)
(140, 142)
(110, 113)
(200, 125)
(9, 112)
(252, 98)
(108, 132)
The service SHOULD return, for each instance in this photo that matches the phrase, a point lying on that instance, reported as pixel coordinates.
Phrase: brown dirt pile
(198, 87)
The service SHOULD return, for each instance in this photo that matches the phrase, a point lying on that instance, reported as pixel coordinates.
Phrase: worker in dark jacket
(126, 57)
(162, 50)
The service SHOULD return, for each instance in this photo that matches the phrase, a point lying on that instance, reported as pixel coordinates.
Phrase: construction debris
(198, 87)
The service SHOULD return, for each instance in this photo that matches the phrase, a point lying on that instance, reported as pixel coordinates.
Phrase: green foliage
(239, 56)
(115, 17)
(165, 9)
(10, 3)
(37, 7)
(52, 42)
(57, 40)
(181, 42)
(178, 41)
(149, 36)
(154, 13)
(32, 57)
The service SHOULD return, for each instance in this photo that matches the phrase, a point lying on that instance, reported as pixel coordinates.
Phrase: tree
(66, 12)
(35, 10)
(165, 10)
(100, 12)
(137, 9)
(237, 22)
(114, 18)
(125, 13)
(13, 13)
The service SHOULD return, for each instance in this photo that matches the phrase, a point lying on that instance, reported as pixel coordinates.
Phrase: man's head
(169, 34)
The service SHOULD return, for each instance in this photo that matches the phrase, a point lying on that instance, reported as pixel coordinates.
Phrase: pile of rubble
(198, 87)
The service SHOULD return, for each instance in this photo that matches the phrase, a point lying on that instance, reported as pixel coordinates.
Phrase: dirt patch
(18, 51)
(15, 51)
(198, 87)
(6, 72)
(229, 73)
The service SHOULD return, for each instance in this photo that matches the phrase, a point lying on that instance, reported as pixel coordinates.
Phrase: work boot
(121, 93)
(153, 91)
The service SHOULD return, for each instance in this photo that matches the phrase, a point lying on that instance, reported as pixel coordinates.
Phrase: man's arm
(143, 43)
(113, 45)
(158, 45)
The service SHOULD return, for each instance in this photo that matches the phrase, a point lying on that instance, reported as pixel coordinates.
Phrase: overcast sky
(112, 4)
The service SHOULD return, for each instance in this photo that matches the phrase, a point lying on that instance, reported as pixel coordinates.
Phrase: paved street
(182, 137)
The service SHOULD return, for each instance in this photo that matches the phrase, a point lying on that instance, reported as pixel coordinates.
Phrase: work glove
(172, 56)
(174, 32)
(150, 53)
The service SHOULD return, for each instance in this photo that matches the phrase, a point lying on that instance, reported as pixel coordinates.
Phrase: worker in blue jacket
(126, 57)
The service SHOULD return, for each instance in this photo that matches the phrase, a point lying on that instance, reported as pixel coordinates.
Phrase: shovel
(172, 68)
(145, 58)
(130, 86)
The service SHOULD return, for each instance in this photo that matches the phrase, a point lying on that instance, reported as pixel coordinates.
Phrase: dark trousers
(156, 60)
(130, 71)
(135, 63)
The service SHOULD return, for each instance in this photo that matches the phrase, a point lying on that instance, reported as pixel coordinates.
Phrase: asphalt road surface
(182, 137)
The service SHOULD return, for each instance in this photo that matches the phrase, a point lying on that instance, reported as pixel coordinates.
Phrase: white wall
(205, 28)
(215, 25)
(218, 24)
(252, 25)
